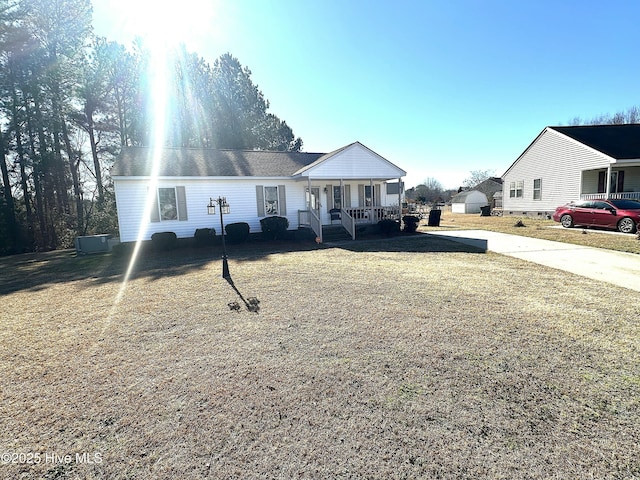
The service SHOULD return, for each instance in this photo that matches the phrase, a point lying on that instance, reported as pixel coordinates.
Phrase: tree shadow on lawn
(35, 271)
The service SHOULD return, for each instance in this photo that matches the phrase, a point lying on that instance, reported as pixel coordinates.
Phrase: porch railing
(303, 218)
(316, 224)
(308, 218)
(371, 214)
(613, 196)
(348, 222)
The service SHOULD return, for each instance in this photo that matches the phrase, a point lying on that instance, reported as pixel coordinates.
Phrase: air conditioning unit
(95, 243)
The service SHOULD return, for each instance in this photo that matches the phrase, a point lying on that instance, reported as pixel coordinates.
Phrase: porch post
(607, 187)
(372, 200)
(400, 201)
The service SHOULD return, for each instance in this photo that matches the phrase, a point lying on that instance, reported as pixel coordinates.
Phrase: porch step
(334, 233)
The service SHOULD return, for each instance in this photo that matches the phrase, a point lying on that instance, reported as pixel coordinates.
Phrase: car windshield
(626, 204)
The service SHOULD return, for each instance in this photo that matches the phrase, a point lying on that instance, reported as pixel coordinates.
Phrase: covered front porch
(349, 203)
(618, 181)
(350, 186)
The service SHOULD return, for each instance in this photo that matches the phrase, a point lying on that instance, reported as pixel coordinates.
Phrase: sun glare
(162, 26)
(171, 22)
(156, 22)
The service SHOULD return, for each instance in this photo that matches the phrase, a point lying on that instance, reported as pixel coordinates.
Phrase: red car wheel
(566, 220)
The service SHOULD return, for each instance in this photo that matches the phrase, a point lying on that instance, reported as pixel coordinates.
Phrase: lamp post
(224, 208)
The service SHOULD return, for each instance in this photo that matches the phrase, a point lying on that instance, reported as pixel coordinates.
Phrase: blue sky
(439, 88)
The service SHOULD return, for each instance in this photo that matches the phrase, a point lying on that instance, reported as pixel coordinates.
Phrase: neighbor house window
(537, 189)
(168, 204)
(516, 189)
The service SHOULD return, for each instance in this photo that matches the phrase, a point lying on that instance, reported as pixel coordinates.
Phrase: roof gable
(352, 161)
(491, 183)
(601, 140)
(617, 141)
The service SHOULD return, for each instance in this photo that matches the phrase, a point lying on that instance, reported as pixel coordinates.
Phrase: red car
(623, 215)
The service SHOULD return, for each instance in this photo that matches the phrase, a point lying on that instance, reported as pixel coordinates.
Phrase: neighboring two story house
(566, 164)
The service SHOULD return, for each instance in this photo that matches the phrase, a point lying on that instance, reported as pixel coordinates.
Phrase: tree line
(70, 100)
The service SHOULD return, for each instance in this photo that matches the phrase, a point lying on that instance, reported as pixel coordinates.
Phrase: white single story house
(565, 164)
(169, 189)
(468, 201)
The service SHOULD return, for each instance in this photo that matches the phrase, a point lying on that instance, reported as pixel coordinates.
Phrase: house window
(271, 200)
(336, 197)
(368, 196)
(617, 181)
(168, 204)
(516, 189)
(616, 184)
(537, 189)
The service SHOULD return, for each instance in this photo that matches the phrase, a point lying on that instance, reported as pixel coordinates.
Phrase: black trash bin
(434, 218)
(485, 211)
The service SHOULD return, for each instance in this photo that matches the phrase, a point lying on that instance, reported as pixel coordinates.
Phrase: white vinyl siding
(557, 161)
(631, 178)
(241, 195)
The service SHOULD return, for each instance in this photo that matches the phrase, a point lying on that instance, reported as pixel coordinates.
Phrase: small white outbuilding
(468, 202)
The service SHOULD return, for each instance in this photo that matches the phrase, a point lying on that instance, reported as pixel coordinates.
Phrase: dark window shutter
(260, 200)
(282, 200)
(155, 208)
(329, 197)
(601, 180)
(347, 196)
(376, 194)
(620, 181)
(181, 199)
(361, 195)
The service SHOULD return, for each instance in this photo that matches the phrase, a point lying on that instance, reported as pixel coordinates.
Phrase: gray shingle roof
(462, 196)
(195, 162)
(618, 141)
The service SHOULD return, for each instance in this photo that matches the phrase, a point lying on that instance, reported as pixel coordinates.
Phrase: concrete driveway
(618, 268)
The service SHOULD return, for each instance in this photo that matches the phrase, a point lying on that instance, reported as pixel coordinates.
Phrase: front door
(313, 201)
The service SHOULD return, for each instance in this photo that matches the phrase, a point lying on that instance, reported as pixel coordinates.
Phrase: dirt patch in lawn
(397, 361)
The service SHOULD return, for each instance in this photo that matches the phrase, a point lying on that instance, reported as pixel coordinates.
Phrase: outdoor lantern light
(211, 208)
(224, 209)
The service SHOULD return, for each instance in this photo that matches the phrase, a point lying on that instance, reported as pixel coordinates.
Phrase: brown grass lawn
(405, 358)
(538, 227)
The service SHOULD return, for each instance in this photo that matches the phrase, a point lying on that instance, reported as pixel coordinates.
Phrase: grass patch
(537, 227)
(402, 358)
